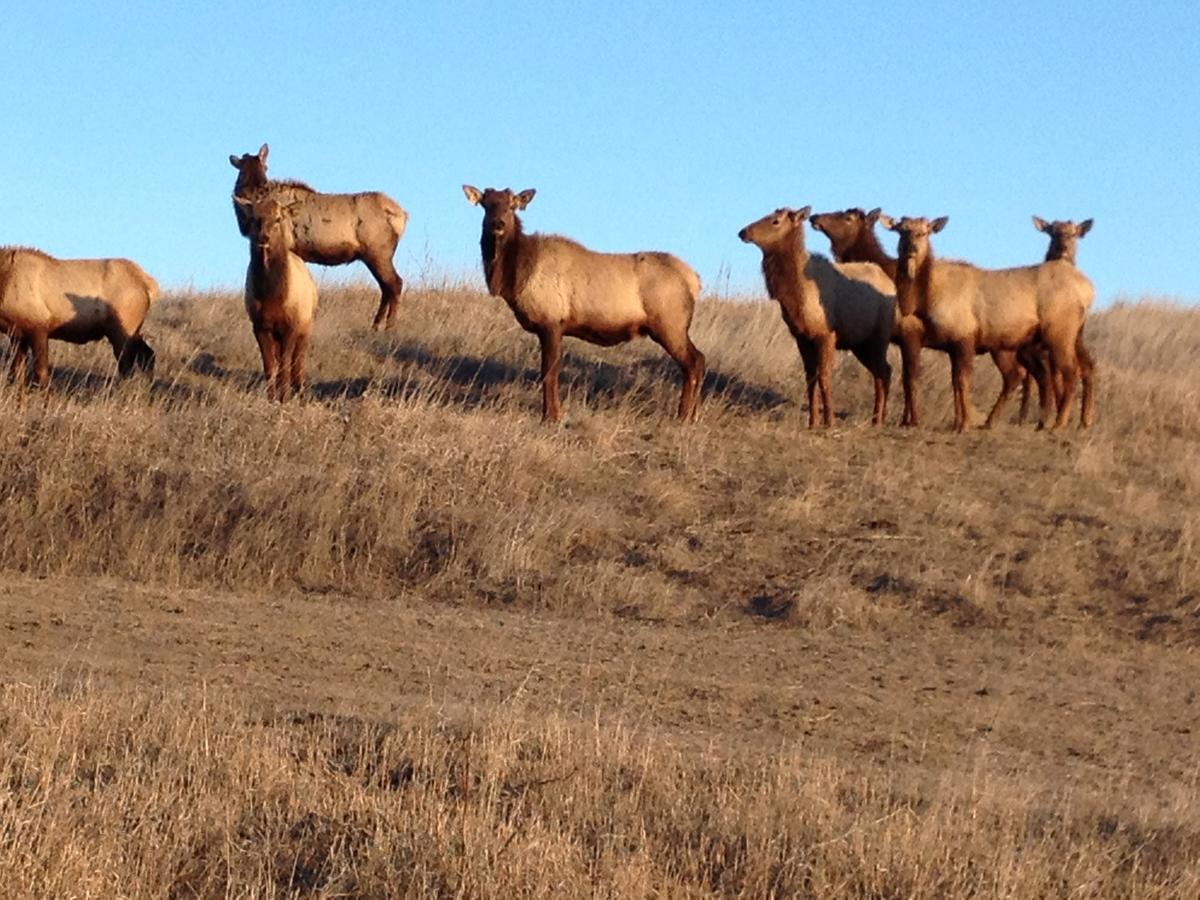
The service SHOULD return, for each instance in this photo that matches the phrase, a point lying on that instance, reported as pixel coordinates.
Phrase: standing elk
(1064, 242)
(965, 309)
(281, 296)
(851, 234)
(826, 307)
(558, 288)
(331, 229)
(74, 300)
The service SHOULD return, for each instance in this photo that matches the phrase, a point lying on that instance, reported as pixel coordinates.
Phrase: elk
(281, 296)
(331, 229)
(74, 300)
(965, 309)
(826, 307)
(1064, 242)
(851, 234)
(558, 288)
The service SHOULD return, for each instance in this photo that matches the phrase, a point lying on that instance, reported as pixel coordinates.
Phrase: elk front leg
(551, 342)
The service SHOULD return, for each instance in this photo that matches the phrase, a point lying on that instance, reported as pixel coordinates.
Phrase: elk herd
(1029, 319)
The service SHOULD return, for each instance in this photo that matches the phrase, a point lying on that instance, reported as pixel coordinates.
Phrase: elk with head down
(851, 234)
(331, 229)
(74, 300)
(1064, 242)
(964, 309)
(281, 296)
(826, 307)
(558, 288)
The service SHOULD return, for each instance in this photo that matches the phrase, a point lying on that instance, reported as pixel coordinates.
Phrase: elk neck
(268, 272)
(500, 258)
(912, 293)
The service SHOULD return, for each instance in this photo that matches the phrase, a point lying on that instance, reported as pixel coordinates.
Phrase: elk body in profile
(558, 288)
(851, 234)
(1064, 243)
(965, 309)
(826, 307)
(74, 300)
(281, 297)
(331, 229)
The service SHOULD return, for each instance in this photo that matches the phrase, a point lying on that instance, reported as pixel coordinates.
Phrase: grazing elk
(965, 309)
(826, 307)
(331, 229)
(851, 234)
(281, 296)
(1064, 241)
(74, 300)
(557, 287)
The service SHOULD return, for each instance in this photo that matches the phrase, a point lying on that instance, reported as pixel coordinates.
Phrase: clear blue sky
(642, 125)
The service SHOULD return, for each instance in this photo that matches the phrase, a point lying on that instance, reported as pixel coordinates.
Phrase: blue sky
(642, 126)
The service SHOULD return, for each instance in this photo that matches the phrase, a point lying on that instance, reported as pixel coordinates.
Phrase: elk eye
(775, 221)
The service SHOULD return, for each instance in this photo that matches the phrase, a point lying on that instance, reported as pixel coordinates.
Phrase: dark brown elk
(73, 300)
(331, 229)
(558, 288)
(826, 307)
(851, 234)
(1064, 243)
(965, 309)
(281, 297)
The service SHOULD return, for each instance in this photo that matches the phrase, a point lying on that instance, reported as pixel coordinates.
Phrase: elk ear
(1084, 227)
(524, 198)
(873, 216)
(1040, 224)
(263, 151)
(799, 215)
(938, 224)
(243, 202)
(888, 222)
(473, 194)
(235, 161)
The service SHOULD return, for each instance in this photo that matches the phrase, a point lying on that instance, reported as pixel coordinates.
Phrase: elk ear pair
(520, 201)
(1080, 230)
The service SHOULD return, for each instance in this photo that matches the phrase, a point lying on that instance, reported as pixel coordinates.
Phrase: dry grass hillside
(399, 639)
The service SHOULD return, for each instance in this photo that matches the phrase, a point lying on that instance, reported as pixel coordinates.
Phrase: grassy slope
(418, 479)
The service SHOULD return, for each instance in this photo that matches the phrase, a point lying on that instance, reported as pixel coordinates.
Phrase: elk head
(845, 228)
(252, 169)
(914, 248)
(776, 229)
(500, 207)
(1064, 237)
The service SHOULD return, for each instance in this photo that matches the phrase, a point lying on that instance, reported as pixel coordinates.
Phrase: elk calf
(281, 297)
(826, 308)
(74, 300)
(558, 288)
(964, 310)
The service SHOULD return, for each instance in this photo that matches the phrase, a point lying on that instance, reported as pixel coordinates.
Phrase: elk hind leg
(1011, 374)
(876, 362)
(391, 286)
(691, 362)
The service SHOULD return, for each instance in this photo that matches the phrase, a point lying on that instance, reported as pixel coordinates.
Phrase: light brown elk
(826, 307)
(558, 288)
(964, 309)
(331, 229)
(1064, 242)
(851, 234)
(73, 300)
(281, 297)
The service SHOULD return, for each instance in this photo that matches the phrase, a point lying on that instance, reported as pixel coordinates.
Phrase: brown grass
(417, 475)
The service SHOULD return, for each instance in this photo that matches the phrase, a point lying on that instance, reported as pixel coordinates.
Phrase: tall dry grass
(191, 796)
(417, 469)
(418, 465)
